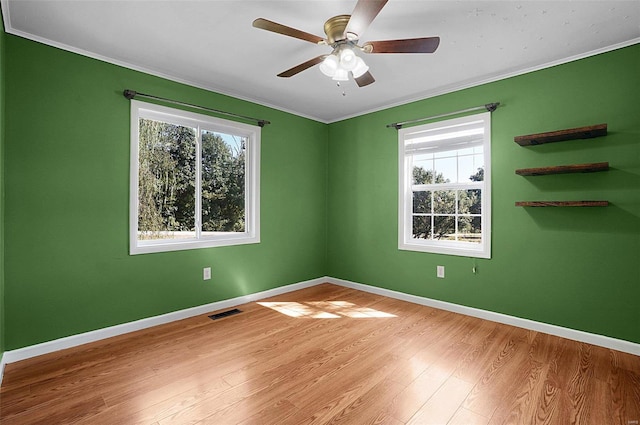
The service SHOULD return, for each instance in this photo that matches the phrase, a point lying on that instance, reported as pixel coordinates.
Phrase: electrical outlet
(440, 272)
(206, 273)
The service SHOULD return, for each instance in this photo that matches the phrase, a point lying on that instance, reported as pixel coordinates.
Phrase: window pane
(478, 175)
(445, 170)
(419, 157)
(166, 180)
(470, 201)
(422, 227)
(422, 202)
(463, 202)
(223, 182)
(422, 176)
(444, 202)
(476, 225)
(422, 169)
(467, 151)
(468, 169)
(469, 229)
(445, 154)
(464, 226)
(444, 227)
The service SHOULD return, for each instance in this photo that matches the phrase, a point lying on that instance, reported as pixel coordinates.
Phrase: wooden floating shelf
(562, 203)
(564, 169)
(562, 135)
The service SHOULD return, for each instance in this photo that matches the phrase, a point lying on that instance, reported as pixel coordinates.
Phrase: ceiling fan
(343, 33)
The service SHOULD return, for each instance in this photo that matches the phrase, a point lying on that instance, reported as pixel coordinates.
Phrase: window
(445, 187)
(195, 180)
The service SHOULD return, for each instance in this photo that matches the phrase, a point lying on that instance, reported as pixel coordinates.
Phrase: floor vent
(225, 314)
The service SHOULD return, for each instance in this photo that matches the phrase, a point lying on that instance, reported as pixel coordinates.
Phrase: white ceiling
(212, 44)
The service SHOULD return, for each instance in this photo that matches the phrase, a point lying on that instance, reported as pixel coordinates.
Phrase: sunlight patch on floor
(324, 310)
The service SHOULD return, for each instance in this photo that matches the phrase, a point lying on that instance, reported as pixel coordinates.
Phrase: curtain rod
(130, 94)
(489, 107)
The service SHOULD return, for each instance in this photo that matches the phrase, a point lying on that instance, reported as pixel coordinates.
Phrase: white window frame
(406, 241)
(252, 133)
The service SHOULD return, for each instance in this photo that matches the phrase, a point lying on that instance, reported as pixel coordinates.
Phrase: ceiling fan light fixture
(360, 68)
(341, 62)
(329, 65)
(348, 59)
(341, 75)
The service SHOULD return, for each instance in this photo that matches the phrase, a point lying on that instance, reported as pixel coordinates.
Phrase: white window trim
(251, 234)
(405, 196)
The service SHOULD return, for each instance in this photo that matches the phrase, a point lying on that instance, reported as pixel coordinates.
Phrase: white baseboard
(2, 364)
(84, 338)
(589, 338)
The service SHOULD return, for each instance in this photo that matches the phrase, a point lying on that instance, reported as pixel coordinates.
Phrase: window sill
(169, 246)
(447, 250)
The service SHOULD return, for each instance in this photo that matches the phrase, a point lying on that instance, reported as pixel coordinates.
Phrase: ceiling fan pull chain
(344, 93)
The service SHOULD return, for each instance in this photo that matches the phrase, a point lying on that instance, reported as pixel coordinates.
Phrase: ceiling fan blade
(365, 79)
(363, 14)
(299, 68)
(268, 25)
(409, 45)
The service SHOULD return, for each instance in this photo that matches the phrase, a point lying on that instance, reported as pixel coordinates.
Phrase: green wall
(67, 189)
(2, 62)
(573, 267)
(328, 202)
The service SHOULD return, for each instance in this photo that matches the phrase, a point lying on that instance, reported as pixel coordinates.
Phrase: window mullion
(408, 193)
(455, 215)
(198, 201)
(432, 218)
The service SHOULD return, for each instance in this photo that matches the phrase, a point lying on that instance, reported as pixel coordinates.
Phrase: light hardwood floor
(327, 355)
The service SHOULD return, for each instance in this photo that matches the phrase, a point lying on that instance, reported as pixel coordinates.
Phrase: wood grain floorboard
(327, 355)
(467, 417)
